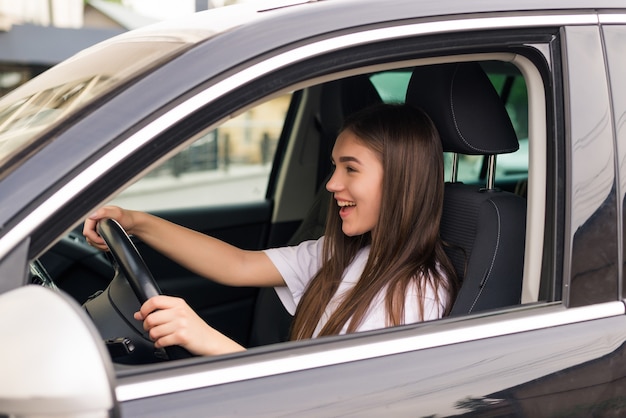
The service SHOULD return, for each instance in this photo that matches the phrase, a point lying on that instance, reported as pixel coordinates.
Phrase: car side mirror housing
(53, 361)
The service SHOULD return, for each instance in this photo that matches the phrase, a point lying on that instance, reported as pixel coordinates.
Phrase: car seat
(483, 228)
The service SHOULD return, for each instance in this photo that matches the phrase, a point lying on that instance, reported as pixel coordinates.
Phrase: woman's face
(356, 184)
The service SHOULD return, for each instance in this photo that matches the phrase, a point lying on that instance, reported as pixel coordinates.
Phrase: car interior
(490, 112)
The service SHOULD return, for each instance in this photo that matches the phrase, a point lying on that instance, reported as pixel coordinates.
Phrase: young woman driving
(380, 262)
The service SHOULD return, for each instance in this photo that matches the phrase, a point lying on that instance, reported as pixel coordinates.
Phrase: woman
(380, 263)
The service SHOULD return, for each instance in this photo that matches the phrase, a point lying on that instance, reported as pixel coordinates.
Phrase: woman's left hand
(171, 321)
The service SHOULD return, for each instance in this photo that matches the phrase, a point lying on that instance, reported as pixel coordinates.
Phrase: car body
(84, 132)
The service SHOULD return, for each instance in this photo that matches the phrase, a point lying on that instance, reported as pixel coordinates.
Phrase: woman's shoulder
(307, 253)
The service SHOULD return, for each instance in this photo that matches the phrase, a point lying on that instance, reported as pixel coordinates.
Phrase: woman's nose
(333, 184)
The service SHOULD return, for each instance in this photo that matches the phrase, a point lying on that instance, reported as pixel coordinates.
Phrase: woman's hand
(124, 217)
(170, 321)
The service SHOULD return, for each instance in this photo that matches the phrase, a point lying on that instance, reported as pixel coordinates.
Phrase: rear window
(510, 84)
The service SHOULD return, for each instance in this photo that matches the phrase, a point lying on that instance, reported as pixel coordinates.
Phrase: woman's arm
(204, 255)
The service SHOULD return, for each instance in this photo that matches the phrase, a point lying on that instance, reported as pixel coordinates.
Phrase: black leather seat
(338, 99)
(483, 227)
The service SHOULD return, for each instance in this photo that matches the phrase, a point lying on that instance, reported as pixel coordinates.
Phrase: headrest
(343, 97)
(465, 108)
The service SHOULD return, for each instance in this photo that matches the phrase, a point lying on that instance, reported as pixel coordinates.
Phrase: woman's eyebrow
(348, 158)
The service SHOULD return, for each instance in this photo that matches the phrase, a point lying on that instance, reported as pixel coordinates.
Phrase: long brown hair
(407, 247)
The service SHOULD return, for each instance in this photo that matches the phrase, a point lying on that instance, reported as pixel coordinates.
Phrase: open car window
(247, 145)
(227, 165)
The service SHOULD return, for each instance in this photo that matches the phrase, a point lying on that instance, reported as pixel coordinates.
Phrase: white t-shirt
(300, 263)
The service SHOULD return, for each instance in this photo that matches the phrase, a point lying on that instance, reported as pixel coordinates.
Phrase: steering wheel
(112, 310)
(127, 259)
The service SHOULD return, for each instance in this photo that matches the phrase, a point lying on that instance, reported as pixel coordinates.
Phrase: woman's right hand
(124, 217)
(171, 321)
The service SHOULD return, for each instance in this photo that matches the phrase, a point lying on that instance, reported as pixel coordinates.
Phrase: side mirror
(52, 360)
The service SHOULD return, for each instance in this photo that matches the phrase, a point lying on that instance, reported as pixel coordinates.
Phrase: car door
(470, 368)
(560, 352)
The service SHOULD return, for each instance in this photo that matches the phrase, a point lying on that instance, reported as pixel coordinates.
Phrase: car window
(512, 90)
(228, 165)
(391, 85)
(509, 83)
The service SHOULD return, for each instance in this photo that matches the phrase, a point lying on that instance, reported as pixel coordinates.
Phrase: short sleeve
(297, 266)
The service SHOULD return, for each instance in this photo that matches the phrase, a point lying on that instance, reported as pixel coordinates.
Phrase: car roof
(203, 25)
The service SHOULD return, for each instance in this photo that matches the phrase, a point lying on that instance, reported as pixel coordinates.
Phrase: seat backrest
(483, 228)
(338, 99)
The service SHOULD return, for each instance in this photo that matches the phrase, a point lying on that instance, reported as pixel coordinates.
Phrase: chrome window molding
(137, 140)
(612, 18)
(464, 330)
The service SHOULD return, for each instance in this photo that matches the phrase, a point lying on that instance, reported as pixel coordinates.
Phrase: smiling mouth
(343, 203)
(345, 207)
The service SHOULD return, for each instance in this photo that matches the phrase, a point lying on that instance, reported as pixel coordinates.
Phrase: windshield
(53, 95)
(69, 86)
